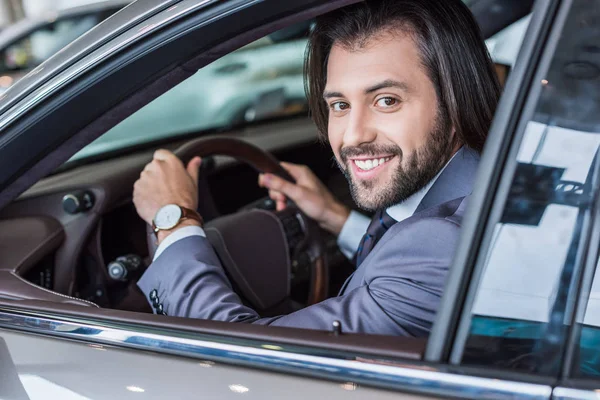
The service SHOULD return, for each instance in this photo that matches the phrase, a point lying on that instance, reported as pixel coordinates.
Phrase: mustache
(369, 150)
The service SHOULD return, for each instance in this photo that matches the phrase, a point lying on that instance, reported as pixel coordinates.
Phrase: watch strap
(186, 213)
(191, 214)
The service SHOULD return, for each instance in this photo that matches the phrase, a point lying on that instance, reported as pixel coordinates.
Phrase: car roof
(16, 31)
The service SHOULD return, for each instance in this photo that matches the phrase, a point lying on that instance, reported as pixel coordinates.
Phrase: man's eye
(387, 102)
(339, 106)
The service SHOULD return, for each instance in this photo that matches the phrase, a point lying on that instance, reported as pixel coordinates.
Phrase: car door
(77, 356)
(532, 301)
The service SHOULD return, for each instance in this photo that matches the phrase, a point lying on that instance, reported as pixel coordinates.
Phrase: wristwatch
(169, 216)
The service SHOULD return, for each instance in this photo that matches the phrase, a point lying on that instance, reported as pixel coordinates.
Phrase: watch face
(167, 217)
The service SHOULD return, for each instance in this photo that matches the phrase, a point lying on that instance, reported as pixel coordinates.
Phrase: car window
(504, 46)
(261, 80)
(524, 300)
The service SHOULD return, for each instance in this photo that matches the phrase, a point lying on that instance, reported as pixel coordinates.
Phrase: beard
(413, 173)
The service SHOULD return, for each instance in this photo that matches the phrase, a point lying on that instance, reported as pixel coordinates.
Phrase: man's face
(384, 126)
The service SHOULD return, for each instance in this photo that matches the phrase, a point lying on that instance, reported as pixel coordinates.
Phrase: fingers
(298, 172)
(279, 199)
(278, 184)
(167, 157)
(193, 168)
(277, 196)
(280, 205)
(164, 155)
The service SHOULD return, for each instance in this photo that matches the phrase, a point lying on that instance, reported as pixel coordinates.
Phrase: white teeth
(366, 165)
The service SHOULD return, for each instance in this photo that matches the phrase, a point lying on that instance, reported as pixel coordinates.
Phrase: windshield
(260, 81)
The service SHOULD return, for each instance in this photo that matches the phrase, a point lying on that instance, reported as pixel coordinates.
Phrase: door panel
(65, 369)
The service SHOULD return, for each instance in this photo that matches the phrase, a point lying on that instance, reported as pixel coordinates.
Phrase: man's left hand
(164, 181)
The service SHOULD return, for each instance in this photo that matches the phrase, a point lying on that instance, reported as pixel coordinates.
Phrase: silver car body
(69, 358)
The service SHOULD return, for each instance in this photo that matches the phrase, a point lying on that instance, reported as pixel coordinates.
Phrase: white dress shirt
(351, 234)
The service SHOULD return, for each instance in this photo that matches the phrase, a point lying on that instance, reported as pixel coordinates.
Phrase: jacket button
(153, 295)
(159, 309)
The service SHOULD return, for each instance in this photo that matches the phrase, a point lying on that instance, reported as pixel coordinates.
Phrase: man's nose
(359, 129)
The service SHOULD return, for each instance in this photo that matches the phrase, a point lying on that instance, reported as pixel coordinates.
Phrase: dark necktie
(379, 225)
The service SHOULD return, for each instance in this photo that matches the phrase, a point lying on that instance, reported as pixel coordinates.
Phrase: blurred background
(12, 11)
(33, 30)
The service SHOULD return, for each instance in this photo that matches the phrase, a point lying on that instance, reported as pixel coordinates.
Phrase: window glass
(587, 358)
(524, 300)
(261, 80)
(504, 46)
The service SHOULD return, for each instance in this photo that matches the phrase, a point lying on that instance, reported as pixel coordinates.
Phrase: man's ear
(456, 141)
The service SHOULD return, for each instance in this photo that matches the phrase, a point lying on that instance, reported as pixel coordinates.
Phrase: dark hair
(452, 52)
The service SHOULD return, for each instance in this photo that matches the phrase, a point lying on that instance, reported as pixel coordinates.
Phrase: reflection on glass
(524, 301)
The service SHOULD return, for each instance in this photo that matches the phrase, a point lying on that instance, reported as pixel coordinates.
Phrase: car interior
(73, 241)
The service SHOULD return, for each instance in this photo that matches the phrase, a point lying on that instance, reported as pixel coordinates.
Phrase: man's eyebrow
(329, 95)
(388, 83)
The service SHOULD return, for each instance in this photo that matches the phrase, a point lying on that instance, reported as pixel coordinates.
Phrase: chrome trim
(72, 197)
(404, 377)
(561, 393)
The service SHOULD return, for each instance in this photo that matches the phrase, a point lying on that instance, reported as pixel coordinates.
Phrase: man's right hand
(309, 194)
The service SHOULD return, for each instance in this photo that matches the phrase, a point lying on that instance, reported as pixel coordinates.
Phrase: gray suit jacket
(395, 291)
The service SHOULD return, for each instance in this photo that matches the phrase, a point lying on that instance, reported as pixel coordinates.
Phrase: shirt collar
(408, 207)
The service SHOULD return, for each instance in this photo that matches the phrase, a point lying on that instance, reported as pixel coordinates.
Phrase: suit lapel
(455, 181)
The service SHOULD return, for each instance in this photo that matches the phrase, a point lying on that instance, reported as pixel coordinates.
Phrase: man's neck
(408, 207)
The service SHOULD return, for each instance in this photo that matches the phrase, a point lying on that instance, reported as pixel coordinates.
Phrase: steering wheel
(261, 249)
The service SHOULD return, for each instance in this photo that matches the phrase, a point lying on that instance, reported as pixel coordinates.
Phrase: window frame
(573, 386)
(587, 256)
(489, 183)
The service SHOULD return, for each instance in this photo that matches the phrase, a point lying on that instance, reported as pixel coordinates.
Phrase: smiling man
(404, 91)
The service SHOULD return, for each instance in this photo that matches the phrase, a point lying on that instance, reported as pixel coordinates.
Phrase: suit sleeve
(403, 285)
